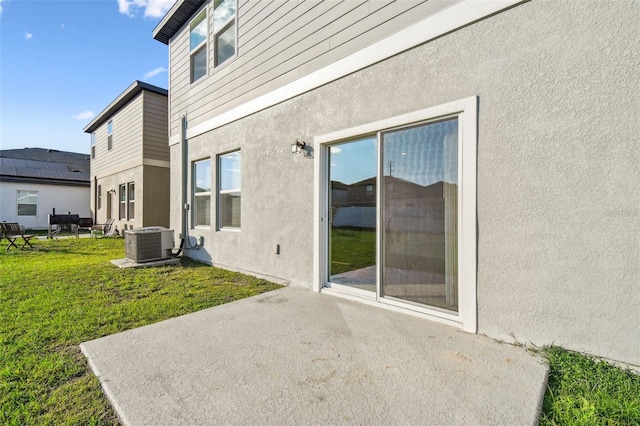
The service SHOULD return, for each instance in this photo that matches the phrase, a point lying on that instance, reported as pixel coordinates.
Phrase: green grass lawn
(352, 249)
(586, 391)
(66, 292)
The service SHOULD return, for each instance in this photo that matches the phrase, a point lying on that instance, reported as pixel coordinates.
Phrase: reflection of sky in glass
(223, 10)
(27, 197)
(423, 155)
(198, 32)
(203, 176)
(353, 161)
(199, 64)
(110, 127)
(230, 171)
(226, 44)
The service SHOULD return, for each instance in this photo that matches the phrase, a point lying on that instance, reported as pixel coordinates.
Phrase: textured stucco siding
(112, 182)
(558, 185)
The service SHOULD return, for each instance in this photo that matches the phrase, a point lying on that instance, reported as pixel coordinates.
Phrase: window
(131, 197)
(224, 30)
(123, 201)
(93, 145)
(27, 203)
(110, 195)
(110, 134)
(99, 197)
(198, 46)
(229, 171)
(202, 193)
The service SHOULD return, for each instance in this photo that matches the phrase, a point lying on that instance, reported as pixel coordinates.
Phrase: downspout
(185, 178)
(95, 199)
(186, 243)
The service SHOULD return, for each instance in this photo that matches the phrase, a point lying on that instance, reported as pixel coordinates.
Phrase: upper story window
(93, 145)
(224, 30)
(198, 46)
(110, 134)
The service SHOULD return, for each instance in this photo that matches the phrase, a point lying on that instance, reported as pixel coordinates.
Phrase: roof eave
(176, 17)
(124, 98)
(43, 181)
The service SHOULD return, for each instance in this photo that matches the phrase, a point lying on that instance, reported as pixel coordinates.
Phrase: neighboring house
(502, 137)
(130, 159)
(35, 181)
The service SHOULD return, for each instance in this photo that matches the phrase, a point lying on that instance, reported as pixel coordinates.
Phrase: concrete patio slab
(296, 357)
(128, 263)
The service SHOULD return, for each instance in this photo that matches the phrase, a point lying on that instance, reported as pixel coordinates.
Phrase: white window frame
(122, 201)
(203, 46)
(18, 202)
(109, 135)
(93, 145)
(232, 20)
(195, 194)
(131, 191)
(227, 191)
(466, 111)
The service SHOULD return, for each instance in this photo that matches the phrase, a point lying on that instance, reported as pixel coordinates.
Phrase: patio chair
(105, 228)
(12, 231)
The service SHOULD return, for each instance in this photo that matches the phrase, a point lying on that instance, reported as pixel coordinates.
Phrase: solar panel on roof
(36, 164)
(51, 174)
(57, 166)
(72, 175)
(27, 172)
(7, 170)
(14, 162)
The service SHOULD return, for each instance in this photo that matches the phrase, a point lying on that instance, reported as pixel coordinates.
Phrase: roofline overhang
(124, 98)
(176, 17)
(42, 181)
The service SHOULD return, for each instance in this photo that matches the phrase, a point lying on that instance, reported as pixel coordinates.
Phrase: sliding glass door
(411, 174)
(420, 213)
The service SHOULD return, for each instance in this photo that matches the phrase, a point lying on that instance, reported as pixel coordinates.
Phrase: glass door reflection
(352, 214)
(419, 214)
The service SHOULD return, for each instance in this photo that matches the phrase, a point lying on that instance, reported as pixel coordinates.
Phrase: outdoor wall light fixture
(297, 147)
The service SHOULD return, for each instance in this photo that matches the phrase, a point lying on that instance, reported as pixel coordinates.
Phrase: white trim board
(155, 163)
(452, 18)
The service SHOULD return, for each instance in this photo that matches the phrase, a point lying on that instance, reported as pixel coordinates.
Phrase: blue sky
(63, 62)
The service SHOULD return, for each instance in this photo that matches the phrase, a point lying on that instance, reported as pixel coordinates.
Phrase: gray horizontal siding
(127, 140)
(279, 42)
(156, 138)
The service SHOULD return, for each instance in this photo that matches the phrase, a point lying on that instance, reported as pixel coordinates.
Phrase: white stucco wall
(558, 182)
(64, 199)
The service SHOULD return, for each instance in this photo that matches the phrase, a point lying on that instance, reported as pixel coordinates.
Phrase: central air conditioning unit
(148, 243)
